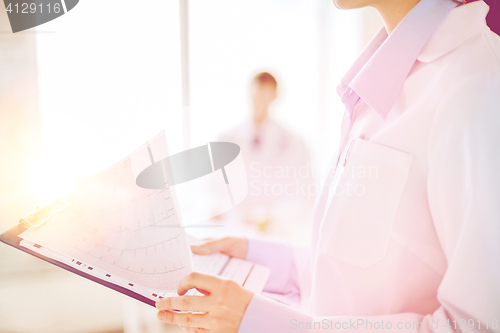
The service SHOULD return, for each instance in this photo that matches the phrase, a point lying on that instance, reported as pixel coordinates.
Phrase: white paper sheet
(111, 226)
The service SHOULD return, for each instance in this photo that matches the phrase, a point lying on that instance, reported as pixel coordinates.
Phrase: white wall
(109, 80)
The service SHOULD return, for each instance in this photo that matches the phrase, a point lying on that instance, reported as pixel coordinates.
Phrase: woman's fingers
(185, 319)
(204, 292)
(232, 246)
(185, 303)
(212, 246)
(193, 329)
(200, 281)
(221, 311)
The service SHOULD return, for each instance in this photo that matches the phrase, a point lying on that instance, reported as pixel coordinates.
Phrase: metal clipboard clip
(42, 214)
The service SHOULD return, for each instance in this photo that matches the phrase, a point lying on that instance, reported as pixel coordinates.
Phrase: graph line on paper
(110, 225)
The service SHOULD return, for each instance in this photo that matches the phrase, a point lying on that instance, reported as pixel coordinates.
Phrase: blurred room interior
(81, 92)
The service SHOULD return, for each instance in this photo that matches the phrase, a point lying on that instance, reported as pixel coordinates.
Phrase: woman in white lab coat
(407, 227)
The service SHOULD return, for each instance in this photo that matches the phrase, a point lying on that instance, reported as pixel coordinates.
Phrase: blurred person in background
(281, 187)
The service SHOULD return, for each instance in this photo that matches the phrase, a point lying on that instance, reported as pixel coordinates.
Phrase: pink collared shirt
(407, 227)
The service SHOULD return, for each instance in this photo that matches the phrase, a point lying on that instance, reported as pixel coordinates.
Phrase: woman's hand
(232, 246)
(220, 310)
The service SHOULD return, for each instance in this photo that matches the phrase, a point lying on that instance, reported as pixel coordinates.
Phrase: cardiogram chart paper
(111, 225)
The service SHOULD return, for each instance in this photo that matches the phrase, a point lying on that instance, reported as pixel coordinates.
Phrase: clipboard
(254, 276)
(37, 218)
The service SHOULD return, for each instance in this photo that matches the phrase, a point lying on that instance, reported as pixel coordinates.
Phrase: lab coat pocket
(363, 202)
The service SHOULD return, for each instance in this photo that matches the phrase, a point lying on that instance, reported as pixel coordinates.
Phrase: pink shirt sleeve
(265, 315)
(279, 257)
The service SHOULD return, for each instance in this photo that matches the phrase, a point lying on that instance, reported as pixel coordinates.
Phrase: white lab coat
(407, 227)
(429, 230)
